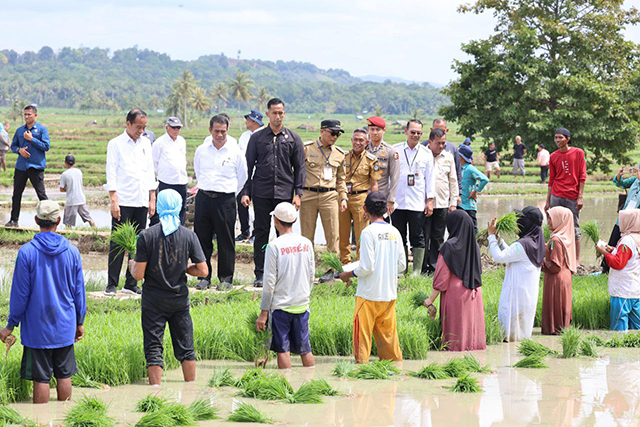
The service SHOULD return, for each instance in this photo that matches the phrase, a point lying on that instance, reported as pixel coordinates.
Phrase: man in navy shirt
(30, 142)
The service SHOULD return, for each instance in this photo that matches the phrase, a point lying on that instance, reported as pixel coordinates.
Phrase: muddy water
(602, 391)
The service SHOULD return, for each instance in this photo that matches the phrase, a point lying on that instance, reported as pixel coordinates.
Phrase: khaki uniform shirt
(361, 171)
(388, 159)
(316, 158)
(446, 180)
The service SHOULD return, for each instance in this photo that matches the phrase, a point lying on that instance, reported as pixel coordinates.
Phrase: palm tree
(200, 103)
(220, 93)
(417, 114)
(263, 97)
(239, 89)
(182, 91)
(378, 111)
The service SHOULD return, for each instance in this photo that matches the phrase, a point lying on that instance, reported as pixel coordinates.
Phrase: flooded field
(601, 391)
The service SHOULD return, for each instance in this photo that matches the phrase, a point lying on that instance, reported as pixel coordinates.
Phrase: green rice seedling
(322, 387)
(125, 237)
(632, 340)
(307, 393)
(595, 339)
(83, 380)
(261, 339)
(221, 378)
(473, 365)
(150, 403)
(547, 232)
(466, 384)
(456, 368)
(506, 226)
(528, 347)
(588, 348)
(591, 229)
(332, 261)
(203, 410)
(245, 413)
(418, 298)
(533, 361)
(160, 418)
(250, 376)
(344, 369)
(432, 371)
(378, 370)
(482, 237)
(88, 412)
(571, 338)
(180, 415)
(9, 416)
(272, 387)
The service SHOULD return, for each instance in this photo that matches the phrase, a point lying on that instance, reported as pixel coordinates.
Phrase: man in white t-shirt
(381, 259)
(76, 204)
(289, 270)
(253, 122)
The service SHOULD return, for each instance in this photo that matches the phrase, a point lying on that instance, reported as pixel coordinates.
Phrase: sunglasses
(416, 132)
(176, 127)
(334, 132)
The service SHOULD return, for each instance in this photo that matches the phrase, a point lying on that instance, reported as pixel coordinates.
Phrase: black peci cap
(70, 159)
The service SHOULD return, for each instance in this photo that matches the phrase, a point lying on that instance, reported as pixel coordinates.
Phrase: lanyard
(322, 151)
(407, 158)
(353, 170)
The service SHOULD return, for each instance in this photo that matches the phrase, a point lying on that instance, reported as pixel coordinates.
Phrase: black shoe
(203, 285)
(111, 290)
(224, 286)
(11, 224)
(327, 277)
(242, 238)
(132, 290)
(257, 283)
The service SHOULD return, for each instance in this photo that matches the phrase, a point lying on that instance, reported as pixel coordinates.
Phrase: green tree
(550, 64)
(262, 98)
(181, 97)
(240, 90)
(200, 103)
(220, 92)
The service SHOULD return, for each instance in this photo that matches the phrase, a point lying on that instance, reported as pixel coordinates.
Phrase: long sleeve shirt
(130, 170)
(566, 171)
(289, 271)
(388, 160)
(223, 170)
(381, 258)
(446, 180)
(170, 160)
(275, 164)
(37, 147)
(472, 180)
(417, 163)
(451, 148)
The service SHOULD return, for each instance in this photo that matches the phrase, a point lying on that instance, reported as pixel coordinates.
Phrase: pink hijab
(629, 222)
(562, 220)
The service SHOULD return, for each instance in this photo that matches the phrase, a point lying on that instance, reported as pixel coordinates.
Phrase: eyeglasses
(416, 132)
(333, 132)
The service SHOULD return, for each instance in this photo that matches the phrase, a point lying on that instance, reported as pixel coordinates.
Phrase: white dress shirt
(230, 140)
(170, 160)
(223, 170)
(419, 163)
(130, 170)
(244, 140)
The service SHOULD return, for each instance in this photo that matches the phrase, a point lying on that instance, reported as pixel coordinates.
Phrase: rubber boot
(418, 258)
(406, 258)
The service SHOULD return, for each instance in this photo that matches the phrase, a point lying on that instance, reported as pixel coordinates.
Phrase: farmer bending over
(289, 270)
(162, 259)
(48, 302)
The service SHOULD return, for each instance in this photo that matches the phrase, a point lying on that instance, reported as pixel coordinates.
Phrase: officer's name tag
(411, 180)
(327, 173)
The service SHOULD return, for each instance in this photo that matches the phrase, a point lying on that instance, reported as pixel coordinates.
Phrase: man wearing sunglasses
(324, 188)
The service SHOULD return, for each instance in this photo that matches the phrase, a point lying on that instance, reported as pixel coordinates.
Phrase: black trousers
(36, 177)
(400, 219)
(154, 323)
(182, 190)
(217, 215)
(613, 241)
(434, 228)
(138, 217)
(262, 209)
(472, 214)
(544, 173)
(243, 214)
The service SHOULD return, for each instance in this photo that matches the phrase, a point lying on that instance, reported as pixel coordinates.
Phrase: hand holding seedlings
(491, 227)
(346, 276)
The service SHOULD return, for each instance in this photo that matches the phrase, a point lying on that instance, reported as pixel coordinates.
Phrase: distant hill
(382, 79)
(92, 78)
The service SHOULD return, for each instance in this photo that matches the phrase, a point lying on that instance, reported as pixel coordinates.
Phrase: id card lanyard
(353, 172)
(327, 173)
(411, 177)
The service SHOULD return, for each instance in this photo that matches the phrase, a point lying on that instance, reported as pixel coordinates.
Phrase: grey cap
(174, 122)
(48, 210)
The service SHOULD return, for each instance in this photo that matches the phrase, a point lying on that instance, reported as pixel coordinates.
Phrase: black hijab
(531, 234)
(461, 252)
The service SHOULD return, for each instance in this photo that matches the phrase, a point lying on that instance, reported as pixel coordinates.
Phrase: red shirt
(566, 171)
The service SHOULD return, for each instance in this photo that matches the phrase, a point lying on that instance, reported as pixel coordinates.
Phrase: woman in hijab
(624, 275)
(523, 259)
(458, 279)
(558, 266)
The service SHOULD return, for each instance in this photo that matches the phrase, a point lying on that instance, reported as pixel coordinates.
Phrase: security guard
(363, 173)
(388, 158)
(324, 188)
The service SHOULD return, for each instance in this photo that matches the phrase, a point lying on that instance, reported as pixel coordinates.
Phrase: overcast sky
(411, 39)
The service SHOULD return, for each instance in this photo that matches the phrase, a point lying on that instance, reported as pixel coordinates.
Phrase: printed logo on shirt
(387, 236)
(565, 167)
(294, 249)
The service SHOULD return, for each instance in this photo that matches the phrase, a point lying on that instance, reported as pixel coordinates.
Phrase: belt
(214, 194)
(358, 192)
(319, 190)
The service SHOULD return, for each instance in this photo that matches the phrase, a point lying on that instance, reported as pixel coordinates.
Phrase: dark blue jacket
(47, 293)
(36, 147)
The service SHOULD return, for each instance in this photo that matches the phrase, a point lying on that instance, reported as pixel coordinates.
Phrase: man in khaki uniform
(387, 158)
(363, 172)
(324, 188)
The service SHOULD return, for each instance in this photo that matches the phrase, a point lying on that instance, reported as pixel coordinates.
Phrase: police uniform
(360, 173)
(388, 161)
(324, 188)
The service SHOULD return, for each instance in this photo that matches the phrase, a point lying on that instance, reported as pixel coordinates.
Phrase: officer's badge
(395, 155)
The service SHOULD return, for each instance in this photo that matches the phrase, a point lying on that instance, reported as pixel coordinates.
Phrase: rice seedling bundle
(271, 387)
(473, 365)
(466, 384)
(250, 375)
(506, 226)
(344, 369)
(9, 416)
(159, 418)
(88, 412)
(307, 393)
(261, 339)
(591, 229)
(322, 387)
(432, 371)
(528, 347)
(418, 298)
(83, 380)
(245, 413)
(203, 410)
(456, 368)
(378, 370)
(180, 415)
(571, 338)
(221, 378)
(125, 237)
(150, 403)
(588, 348)
(532, 361)
(332, 261)
(596, 340)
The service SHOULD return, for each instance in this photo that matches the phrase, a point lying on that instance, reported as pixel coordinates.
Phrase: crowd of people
(392, 199)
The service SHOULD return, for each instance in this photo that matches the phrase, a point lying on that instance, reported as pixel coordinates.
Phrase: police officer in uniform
(363, 173)
(387, 157)
(324, 189)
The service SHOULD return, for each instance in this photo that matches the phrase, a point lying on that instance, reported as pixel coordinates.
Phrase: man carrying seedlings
(381, 259)
(71, 183)
(162, 259)
(289, 270)
(48, 303)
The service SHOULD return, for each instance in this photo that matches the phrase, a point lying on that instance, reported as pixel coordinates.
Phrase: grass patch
(532, 361)
(432, 371)
(88, 412)
(570, 338)
(466, 384)
(245, 413)
(528, 347)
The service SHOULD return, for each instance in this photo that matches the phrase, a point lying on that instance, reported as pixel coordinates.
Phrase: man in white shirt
(543, 162)
(289, 271)
(170, 164)
(221, 171)
(132, 186)
(253, 122)
(416, 191)
(230, 140)
(382, 257)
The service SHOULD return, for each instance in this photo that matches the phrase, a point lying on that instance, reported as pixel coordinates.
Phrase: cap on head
(532, 213)
(331, 124)
(375, 197)
(256, 116)
(70, 160)
(174, 122)
(377, 121)
(466, 153)
(285, 212)
(563, 131)
(48, 210)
